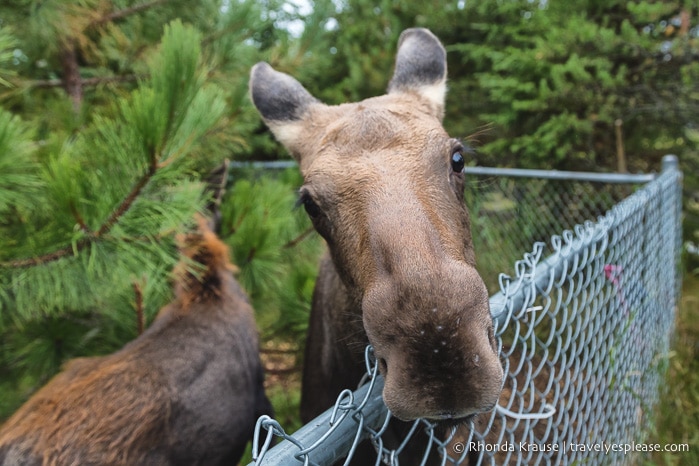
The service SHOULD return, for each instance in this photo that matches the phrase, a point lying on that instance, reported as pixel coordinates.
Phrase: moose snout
(435, 350)
(448, 384)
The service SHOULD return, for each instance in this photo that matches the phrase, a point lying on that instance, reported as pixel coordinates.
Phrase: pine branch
(214, 36)
(129, 200)
(103, 229)
(72, 82)
(71, 75)
(299, 238)
(84, 82)
(79, 219)
(138, 292)
(121, 14)
(46, 258)
(78, 247)
(216, 184)
(175, 40)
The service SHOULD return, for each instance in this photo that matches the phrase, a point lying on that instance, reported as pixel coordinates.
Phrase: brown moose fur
(187, 391)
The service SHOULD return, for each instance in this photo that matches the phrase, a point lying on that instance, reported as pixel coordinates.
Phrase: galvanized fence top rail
(584, 337)
(490, 171)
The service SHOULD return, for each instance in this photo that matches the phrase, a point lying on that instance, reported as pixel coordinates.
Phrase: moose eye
(457, 161)
(310, 206)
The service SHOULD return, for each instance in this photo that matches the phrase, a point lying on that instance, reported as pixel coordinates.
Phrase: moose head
(383, 185)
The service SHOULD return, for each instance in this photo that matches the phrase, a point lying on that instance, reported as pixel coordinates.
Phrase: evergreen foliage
(539, 84)
(558, 78)
(7, 42)
(97, 219)
(277, 250)
(18, 175)
(124, 184)
(104, 137)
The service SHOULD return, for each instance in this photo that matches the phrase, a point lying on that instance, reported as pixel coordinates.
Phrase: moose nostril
(383, 367)
(491, 338)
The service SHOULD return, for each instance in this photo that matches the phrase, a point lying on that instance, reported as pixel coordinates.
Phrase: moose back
(187, 391)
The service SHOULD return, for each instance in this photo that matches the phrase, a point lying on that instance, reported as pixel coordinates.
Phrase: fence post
(670, 162)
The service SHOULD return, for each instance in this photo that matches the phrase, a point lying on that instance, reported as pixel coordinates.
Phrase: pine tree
(105, 137)
(89, 237)
(72, 57)
(552, 80)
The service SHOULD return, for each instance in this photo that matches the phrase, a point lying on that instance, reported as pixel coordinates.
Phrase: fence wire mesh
(583, 326)
(511, 210)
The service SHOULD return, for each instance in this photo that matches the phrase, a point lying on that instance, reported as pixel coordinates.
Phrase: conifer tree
(87, 235)
(552, 80)
(102, 165)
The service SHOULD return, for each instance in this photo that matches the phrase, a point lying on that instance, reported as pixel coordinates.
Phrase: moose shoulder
(383, 185)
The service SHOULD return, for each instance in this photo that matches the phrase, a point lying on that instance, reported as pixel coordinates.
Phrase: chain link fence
(512, 209)
(583, 326)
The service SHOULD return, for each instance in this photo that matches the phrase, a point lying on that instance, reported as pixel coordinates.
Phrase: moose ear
(282, 101)
(421, 67)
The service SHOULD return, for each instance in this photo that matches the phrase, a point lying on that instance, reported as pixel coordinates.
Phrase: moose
(186, 391)
(383, 185)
